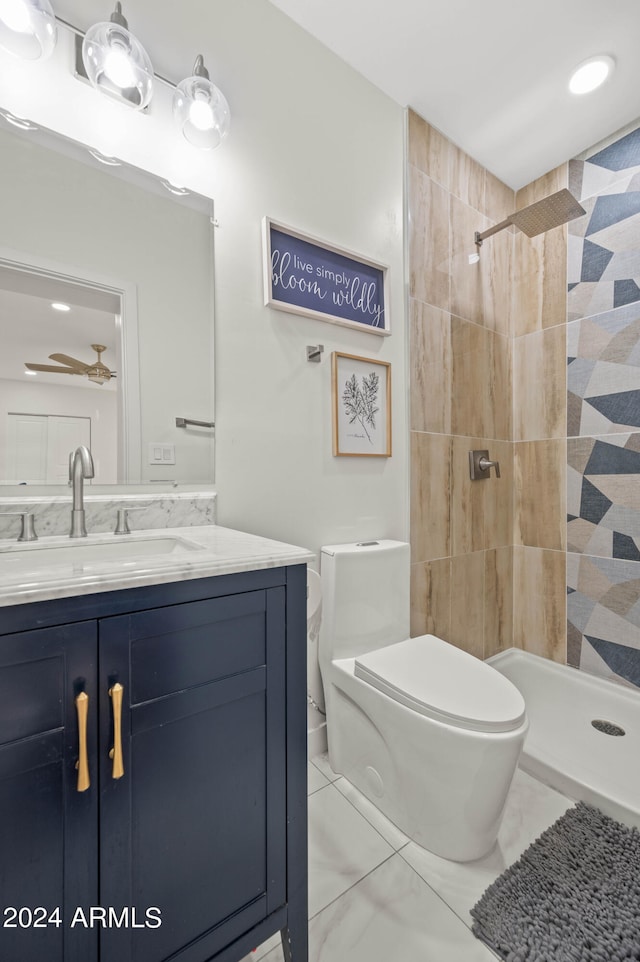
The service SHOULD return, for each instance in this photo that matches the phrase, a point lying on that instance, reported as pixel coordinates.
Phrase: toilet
(428, 733)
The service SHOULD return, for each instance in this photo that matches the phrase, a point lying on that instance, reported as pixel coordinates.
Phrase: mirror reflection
(106, 289)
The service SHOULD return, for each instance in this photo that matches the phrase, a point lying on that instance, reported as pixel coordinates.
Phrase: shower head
(550, 212)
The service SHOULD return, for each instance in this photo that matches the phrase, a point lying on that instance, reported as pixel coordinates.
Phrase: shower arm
(479, 237)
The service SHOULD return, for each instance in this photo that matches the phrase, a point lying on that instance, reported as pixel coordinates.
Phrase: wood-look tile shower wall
(488, 556)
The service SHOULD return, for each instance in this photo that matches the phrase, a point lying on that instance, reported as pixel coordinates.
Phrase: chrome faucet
(80, 467)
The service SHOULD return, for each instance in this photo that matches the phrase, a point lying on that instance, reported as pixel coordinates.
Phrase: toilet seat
(445, 683)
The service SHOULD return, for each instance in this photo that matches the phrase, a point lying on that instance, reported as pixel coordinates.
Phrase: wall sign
(304, 275)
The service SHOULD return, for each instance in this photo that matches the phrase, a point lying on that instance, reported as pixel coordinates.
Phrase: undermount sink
(96, 552)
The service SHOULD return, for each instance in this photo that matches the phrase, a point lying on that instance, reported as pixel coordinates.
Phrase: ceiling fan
(97, 372)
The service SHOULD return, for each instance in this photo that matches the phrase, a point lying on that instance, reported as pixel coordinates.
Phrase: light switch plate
(160, 453)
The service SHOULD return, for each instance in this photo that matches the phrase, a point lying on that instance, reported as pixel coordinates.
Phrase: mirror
(132, 263)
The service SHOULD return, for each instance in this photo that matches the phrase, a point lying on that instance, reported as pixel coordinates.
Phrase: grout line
(342, 894)
(445, 903)
(368, 821)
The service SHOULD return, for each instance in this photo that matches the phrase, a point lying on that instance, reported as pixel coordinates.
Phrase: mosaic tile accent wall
(603, 613)
(603, 413)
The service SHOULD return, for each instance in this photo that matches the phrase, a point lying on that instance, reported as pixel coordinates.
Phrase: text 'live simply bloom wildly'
(315, 279)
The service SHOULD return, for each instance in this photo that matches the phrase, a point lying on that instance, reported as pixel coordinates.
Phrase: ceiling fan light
(200, 109)
(27, 28)
(98, 372)
(98, 377)
(116, 62)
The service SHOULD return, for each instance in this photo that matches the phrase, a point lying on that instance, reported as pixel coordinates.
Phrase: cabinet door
(48, 851)
(195, 829)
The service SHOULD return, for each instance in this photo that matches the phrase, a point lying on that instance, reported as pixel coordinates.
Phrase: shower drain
(607, 727)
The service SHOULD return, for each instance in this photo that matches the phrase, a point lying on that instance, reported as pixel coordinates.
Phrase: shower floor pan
(563, 747)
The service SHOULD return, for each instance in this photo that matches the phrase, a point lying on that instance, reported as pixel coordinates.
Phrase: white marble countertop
(60, 567)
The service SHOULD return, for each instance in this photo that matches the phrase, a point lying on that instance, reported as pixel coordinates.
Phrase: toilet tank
(365, 597)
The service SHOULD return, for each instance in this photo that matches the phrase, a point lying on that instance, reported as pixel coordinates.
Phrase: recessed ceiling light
(59, 306)
(591, 74)
(31, 373)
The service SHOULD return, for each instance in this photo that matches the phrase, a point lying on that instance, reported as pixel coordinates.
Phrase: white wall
(313, 145)
(317, 147)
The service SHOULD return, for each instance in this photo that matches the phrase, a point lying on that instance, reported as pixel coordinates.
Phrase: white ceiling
(491, 74)
(32, 330)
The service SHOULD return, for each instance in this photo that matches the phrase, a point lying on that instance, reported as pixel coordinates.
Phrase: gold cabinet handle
(115, 694)
(82, 708)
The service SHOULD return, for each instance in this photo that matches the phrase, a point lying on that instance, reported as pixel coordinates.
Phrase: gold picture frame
(361, 406)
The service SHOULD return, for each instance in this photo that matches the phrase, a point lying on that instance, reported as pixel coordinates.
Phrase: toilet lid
(445, 683)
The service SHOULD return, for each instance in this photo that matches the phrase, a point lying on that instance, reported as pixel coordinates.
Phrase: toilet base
(444, 787)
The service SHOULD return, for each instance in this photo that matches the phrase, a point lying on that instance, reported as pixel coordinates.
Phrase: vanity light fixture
(201, 109)
(591, 74)
(27, 28)
(116, 62)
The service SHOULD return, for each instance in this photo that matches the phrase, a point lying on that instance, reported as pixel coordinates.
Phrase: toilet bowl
(430, 734)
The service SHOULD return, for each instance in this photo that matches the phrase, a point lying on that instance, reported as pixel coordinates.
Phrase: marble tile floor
(375, 896)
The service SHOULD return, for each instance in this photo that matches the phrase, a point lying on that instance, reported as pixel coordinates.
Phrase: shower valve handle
(485, 465)
(480, 465)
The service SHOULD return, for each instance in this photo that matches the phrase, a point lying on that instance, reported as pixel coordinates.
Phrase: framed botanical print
(361, 391)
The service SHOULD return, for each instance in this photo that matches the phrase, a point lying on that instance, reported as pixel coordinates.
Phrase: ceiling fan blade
(71, 361)
(51, 368)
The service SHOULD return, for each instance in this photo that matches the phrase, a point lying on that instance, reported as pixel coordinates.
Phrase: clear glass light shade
(27, 28)
(202, 112)
(117, 64)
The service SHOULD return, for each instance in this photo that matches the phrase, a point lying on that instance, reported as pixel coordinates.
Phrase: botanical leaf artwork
(359, 399)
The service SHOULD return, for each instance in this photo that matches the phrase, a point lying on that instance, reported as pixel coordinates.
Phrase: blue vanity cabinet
(196, 826)
(191, 840)
(48, 865)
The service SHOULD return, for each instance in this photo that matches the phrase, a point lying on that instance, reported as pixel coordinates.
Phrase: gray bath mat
(573, 896)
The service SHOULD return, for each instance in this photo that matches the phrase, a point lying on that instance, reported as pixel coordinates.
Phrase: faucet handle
(27, 529)
(122, 524)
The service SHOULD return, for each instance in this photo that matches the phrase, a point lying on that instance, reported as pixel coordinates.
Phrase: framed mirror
(106, 313)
